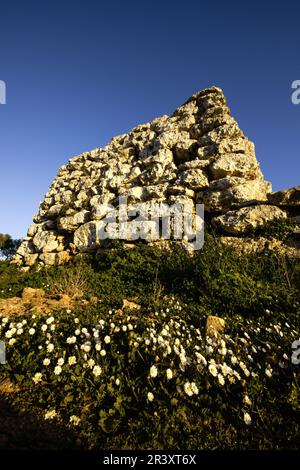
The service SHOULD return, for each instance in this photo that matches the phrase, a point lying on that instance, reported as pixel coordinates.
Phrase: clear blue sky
(80, 72)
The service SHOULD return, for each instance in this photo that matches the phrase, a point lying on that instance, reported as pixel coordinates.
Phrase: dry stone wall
(197, 155)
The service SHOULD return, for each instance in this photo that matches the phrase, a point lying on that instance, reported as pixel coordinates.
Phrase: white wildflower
(91, 363)
(247, 400)
(153, 371)
(221, 379)
(71, 340)
(50, 414)
(75, 420)
(57, 370)
(213, 370)
(97, 371)
(37, 377)
(247, 419)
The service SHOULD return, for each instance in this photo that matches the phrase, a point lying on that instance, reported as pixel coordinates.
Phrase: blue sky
(78, 73)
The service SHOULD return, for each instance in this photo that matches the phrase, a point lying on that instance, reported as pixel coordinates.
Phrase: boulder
(244, 220)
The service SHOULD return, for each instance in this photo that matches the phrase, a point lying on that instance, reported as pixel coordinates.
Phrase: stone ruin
(196, 155)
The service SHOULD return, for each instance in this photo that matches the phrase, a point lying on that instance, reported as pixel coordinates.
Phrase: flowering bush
(155, 380)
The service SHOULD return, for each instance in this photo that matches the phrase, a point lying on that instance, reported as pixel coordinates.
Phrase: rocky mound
(197, 155)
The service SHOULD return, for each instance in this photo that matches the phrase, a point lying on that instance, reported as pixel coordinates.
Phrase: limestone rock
(287, 197)
(198, 153)
(70, 223)
(245, 219)
(214, 327)
(45, 241)
(232, 192)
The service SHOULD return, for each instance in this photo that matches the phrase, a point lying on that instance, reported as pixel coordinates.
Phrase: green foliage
(8, 246)
(280, 229)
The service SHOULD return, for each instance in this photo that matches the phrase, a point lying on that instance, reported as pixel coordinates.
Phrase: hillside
(144, 343)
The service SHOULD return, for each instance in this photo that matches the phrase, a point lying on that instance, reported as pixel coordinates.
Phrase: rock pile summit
(196, 155)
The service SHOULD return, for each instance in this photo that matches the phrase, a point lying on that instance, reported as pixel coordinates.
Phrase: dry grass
(72, 282)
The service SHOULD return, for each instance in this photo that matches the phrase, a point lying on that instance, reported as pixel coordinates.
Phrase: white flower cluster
(175, 354)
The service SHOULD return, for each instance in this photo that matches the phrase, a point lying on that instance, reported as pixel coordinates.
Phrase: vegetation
(8, 246)
(150, 378)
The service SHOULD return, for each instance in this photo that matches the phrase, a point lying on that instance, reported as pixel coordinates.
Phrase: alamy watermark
(152, 221)
(2, 353)
(295, 96)
(296, 352)
(2, 92)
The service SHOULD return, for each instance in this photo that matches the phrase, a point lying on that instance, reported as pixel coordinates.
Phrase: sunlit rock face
(196, 155)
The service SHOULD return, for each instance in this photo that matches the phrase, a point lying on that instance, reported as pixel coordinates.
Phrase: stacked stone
(197, 155)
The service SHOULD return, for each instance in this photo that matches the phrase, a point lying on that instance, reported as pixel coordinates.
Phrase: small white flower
(61, 361)
(57, 370)
(69, 310)
(86, 347)
(247, 419)
(247, 400)
(98, 347)
(44, 328)
(188, 389)
(221, 379)
(150, 396)
(50, 414)
(91, 363)
(107, 339)
(117, 382)
(102, 352)
(130, 327)
(50, 347)
(77, 332)
(76, 320)
(20, 331)
(37, 377)
(153, 371)
(213, 370)
(97, 371)
(46, 362)
(124, 328)
(269, 372)
(71, 340)
(12, 341)
(72, 360)
(50, 320)
(169, 374)
(75, 420)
